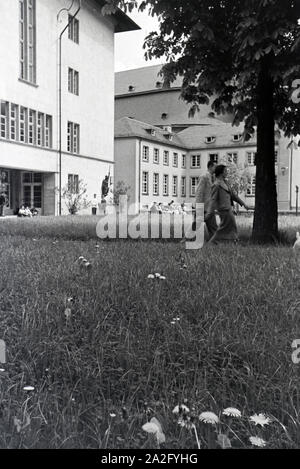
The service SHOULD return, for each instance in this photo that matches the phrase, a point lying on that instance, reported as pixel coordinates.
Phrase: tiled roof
(195, 137)
(190, 139)
(141, 80)
(127, 127)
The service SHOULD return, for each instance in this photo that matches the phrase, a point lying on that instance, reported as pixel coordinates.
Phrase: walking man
(203, 196)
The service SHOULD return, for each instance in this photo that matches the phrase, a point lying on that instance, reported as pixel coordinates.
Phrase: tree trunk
(265, 225)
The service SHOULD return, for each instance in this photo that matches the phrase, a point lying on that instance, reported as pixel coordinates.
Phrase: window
(73, 81)
(213, 157)
(210, 139)
(3, 119)
(145, 153)
(13, 122)
(183, 161)
(40, 129)
(166, 158)
(156, 156)
(175, 160)
(166, 185)
(73, 183)
(73, 32)
(251, 187)
(251, 158)
(48, 131)
(194, 183)
(195, 161)
(233, 157)
(155, 184)
(31, 127)
(276, 156)
(183, 186)
(27, 40)
(237, 137)
(23, 124)
(73, 137)
(145, 183)
(175, 186)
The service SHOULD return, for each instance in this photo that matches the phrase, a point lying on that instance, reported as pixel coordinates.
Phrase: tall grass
(215, 333)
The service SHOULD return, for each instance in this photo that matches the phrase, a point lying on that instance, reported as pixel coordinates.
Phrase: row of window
(20, 124)
(195, 162)
(24, 125)
(166, 185)
(183, 189)
(27, 40)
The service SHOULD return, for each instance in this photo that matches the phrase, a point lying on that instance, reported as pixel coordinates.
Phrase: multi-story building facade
(162, 166)
(56, 110)
(142, 95)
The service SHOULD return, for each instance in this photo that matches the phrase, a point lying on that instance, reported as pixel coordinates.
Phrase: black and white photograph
(149, 228)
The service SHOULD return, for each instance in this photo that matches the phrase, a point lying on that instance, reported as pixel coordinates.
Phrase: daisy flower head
(209, 417)
(260, 419)
(28, 388)
(256, 441)
(232, 412)
(157, 275)
(162, 277)
(179, 409)
(151, 276)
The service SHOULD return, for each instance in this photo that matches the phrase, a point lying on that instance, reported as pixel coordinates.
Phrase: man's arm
(200, 191)
(213, 204)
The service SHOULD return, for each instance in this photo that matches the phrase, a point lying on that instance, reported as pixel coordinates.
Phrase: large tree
(243, 56)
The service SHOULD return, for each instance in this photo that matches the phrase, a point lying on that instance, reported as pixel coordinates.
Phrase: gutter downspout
(60, 100)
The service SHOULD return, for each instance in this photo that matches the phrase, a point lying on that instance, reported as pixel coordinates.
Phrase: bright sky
(129, 52)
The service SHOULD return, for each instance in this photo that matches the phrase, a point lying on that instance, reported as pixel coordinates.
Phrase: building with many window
(161, 166)
(142, 95)
(56, 109)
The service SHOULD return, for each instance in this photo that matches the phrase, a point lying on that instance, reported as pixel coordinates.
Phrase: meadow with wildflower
(142, 344)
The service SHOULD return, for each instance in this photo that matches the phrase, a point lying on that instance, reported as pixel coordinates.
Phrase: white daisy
(151, 276)
(28, 388)
(162, 278)
(180, 408)
(112, 415)
(157, 275)
(154, 427)
(260, 419)
(232, 412)
(256, 441)
(209, 417)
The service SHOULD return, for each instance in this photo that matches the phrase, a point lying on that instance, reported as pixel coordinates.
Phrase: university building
(161, 152)
(56, 103)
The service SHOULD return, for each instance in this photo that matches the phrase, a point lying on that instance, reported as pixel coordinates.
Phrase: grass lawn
(216, 333)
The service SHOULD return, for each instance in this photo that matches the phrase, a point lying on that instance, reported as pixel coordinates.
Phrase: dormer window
(153, 132)
(237, 137)
(131, 88)
(169, 137)
(164, 115)
(210, 139)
